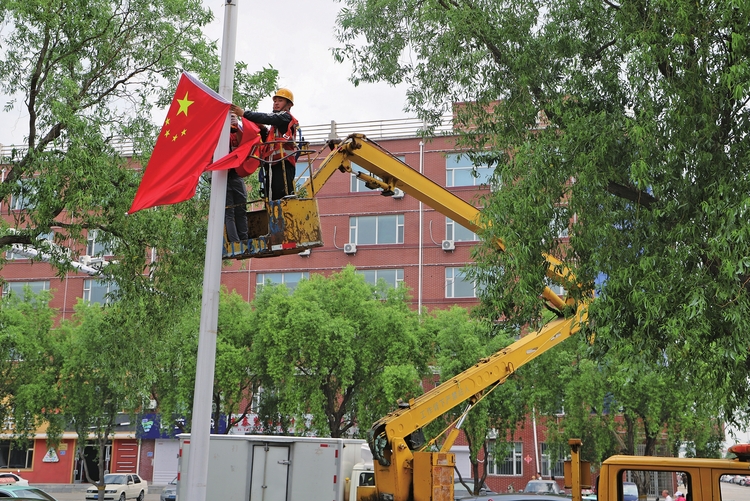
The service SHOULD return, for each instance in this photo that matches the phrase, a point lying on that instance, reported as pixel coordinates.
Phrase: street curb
(52, 488)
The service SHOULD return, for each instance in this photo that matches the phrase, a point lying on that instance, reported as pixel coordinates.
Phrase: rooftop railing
(314, 134)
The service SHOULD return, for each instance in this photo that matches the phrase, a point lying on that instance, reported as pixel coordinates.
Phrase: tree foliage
(625, 124)
(86, 76)
(460, 342)
(337, 351)
(26, 321)
(94, 389)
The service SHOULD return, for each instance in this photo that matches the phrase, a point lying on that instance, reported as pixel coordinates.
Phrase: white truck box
(276, 468)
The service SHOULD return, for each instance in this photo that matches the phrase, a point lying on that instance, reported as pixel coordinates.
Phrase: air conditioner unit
(398, 194)
(350, 248)
(305, 252)
(449, 245)
(85, 260)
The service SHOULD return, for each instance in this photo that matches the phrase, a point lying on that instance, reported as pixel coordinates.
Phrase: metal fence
(315, 134)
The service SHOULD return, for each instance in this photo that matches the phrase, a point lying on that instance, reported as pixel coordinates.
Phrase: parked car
(12, 478)
(629, 491)
(169, 492)
(120, 486)
(460, 492)
(541, 487)
(24, 491)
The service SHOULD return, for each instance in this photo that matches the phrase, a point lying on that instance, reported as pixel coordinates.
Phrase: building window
(560, 223)
(376, 229)
(392, 277)
(289, 279)
(457, 285)
(302, 174)
(20, 288)
(457, 233)
(13, 456)
(549, 468)
(356, 185)
(461, 171)
(555, 287)
(510, 464)
(24, 198)
(96, 245)
(98, 291)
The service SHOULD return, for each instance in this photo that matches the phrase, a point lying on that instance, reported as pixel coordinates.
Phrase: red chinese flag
(185, 145)
(240, 158)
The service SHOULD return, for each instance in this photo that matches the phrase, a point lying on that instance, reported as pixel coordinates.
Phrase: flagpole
(196, 476)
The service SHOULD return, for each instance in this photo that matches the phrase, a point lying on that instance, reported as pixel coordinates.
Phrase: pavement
(77, 492)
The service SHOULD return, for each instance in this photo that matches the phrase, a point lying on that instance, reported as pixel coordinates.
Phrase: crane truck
(404, 469)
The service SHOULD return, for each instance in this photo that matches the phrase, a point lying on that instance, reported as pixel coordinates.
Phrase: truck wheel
(141, 496)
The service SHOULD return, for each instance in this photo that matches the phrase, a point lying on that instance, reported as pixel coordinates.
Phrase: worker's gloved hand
(233, 120)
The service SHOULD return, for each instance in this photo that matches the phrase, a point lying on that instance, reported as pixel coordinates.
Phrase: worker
(235, 212)
(278, 155)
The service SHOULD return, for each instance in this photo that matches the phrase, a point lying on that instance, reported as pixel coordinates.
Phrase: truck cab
(698, 479)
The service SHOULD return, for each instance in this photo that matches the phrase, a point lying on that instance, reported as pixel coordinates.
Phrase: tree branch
(632, 194)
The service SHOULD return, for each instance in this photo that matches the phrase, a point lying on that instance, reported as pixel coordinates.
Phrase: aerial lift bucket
(278, 227)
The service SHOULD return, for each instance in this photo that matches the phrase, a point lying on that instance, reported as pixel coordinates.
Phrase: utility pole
(197, 466)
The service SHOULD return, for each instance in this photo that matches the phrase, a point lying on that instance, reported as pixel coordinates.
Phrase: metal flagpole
(196, 476)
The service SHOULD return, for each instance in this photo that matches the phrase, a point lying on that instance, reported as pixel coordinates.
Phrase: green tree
(460, 342)
(617, 407)
(94, 389)
(30, 366)
(87, 76)
(337, 349)
(172, 378)
(625, 124)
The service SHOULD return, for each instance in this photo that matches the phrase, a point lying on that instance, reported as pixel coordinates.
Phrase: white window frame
(27, 453)
(94, 248)
(454, 275)
(355, 225)
(398, 278)
(457, 232)
(302, 173)
(19, 203)
(514, 460)
(92, 285)
(555, 287)
(460, 163)
(36, 286)
(548, 469)
(284, 277)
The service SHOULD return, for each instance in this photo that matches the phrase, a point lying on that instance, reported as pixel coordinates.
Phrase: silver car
(169, 492)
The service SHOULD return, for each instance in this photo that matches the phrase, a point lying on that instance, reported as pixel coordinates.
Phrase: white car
(120, 486)
(12, 478)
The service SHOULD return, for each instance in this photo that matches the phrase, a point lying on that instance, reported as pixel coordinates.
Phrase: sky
(295, 37)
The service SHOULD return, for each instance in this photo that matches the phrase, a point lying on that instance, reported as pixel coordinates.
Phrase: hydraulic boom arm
(389, 438)
(393, 173)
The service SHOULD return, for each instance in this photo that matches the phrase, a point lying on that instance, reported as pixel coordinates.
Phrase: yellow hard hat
(286, 94)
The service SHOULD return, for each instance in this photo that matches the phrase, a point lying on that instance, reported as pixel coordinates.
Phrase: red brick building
(394, 238)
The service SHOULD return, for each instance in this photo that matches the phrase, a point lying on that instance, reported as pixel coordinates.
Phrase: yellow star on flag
(184, 104)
